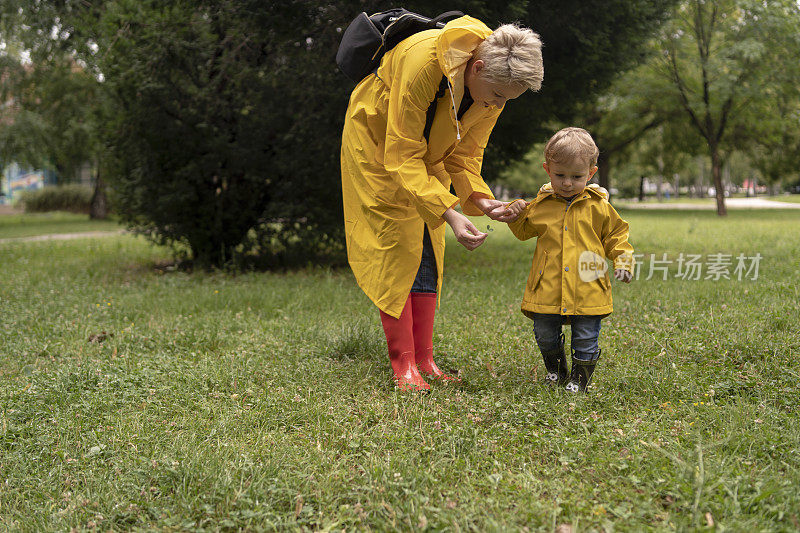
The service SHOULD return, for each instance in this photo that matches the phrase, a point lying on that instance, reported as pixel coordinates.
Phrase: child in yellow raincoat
(576, 229)
(396, 185)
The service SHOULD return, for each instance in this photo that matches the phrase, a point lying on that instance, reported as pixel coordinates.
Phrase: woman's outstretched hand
(466, 232)
(500, 211)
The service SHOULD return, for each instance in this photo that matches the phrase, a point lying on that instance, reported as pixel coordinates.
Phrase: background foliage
(715, 89)
(224, 117)
(71, 197)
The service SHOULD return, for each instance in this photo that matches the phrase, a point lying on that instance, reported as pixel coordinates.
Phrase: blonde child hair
(512, 55)
(570, 144)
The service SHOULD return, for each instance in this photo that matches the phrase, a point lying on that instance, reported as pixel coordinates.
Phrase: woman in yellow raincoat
(396, 185)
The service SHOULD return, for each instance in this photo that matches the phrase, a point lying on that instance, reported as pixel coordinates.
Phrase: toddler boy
(576, 229)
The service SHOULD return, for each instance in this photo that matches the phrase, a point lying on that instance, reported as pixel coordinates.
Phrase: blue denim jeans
(427, 276)
(585, 331)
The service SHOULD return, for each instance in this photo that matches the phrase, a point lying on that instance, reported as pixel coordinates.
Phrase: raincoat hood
(454, 47)
(456, 43)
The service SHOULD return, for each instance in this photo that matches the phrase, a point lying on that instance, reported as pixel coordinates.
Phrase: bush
(72, 198)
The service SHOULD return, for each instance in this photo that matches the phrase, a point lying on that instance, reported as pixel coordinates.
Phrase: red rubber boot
(423, 306)
(400, 340)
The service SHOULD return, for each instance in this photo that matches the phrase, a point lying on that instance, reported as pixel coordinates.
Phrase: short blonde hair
(512, 55)
(570, 144)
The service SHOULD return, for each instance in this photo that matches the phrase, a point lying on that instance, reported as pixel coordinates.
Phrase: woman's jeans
(585, 331)
(427, 276)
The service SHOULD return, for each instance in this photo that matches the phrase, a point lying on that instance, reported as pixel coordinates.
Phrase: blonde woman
(396, 184)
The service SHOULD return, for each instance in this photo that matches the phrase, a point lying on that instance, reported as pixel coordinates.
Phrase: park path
(731, 203)
(62, 236)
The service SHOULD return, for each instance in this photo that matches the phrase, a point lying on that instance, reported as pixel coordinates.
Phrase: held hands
(500, 211)
(465, 231)
(623, 275)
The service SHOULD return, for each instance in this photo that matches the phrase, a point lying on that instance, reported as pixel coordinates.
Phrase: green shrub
(72, 198)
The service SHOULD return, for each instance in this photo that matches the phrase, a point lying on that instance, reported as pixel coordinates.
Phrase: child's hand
(516, 208)
(623, 275)
(497, 210)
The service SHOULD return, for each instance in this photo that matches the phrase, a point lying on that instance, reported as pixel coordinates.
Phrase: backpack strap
(432, 108)
(440, 21)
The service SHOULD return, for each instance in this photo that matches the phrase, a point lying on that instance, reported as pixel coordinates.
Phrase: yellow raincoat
(569, 271)
(393, 182)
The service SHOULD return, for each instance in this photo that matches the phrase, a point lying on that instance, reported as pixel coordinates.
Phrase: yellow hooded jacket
(568, 275)
(393, 182)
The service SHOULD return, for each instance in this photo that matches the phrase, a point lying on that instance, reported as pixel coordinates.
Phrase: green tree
(719, 57)
(620, 117)
(52, 112)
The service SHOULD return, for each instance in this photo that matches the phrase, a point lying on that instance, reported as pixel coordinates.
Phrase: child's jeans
(585, 331)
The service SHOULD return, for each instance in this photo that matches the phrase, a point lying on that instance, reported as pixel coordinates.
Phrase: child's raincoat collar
(592, 189)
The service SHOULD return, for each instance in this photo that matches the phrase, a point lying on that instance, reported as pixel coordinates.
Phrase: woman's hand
(466, 232)
(497, 210)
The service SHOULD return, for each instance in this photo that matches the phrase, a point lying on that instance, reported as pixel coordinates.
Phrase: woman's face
(485, 92)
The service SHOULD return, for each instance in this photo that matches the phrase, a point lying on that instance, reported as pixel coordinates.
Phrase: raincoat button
(566, 269)
(565, 309)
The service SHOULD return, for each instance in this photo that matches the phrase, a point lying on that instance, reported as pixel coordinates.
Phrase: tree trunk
(660, 180)
(726, 176)
(99, 207)
(716, 172)
(677, 179)
(698, 182)
(641, 189)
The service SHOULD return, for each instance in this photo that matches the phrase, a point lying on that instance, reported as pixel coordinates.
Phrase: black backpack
(368, 38)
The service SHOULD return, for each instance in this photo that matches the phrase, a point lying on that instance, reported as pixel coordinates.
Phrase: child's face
(570, 178)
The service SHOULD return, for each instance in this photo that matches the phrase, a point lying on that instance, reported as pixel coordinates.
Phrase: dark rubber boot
(581, 373)
(556, 364)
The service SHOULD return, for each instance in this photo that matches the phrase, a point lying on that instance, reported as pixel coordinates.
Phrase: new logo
(591, 266)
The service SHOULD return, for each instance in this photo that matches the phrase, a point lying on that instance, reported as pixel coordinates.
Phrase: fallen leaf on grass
(709, 520)
(100, 337)
(564, 528)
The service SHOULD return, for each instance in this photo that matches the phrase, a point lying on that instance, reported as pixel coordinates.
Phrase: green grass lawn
(672, 200)
(133, 397)
(790, 199)
(30, 224)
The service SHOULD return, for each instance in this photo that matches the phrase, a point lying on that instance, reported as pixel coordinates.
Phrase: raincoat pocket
(536, 273)
(604, 282)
